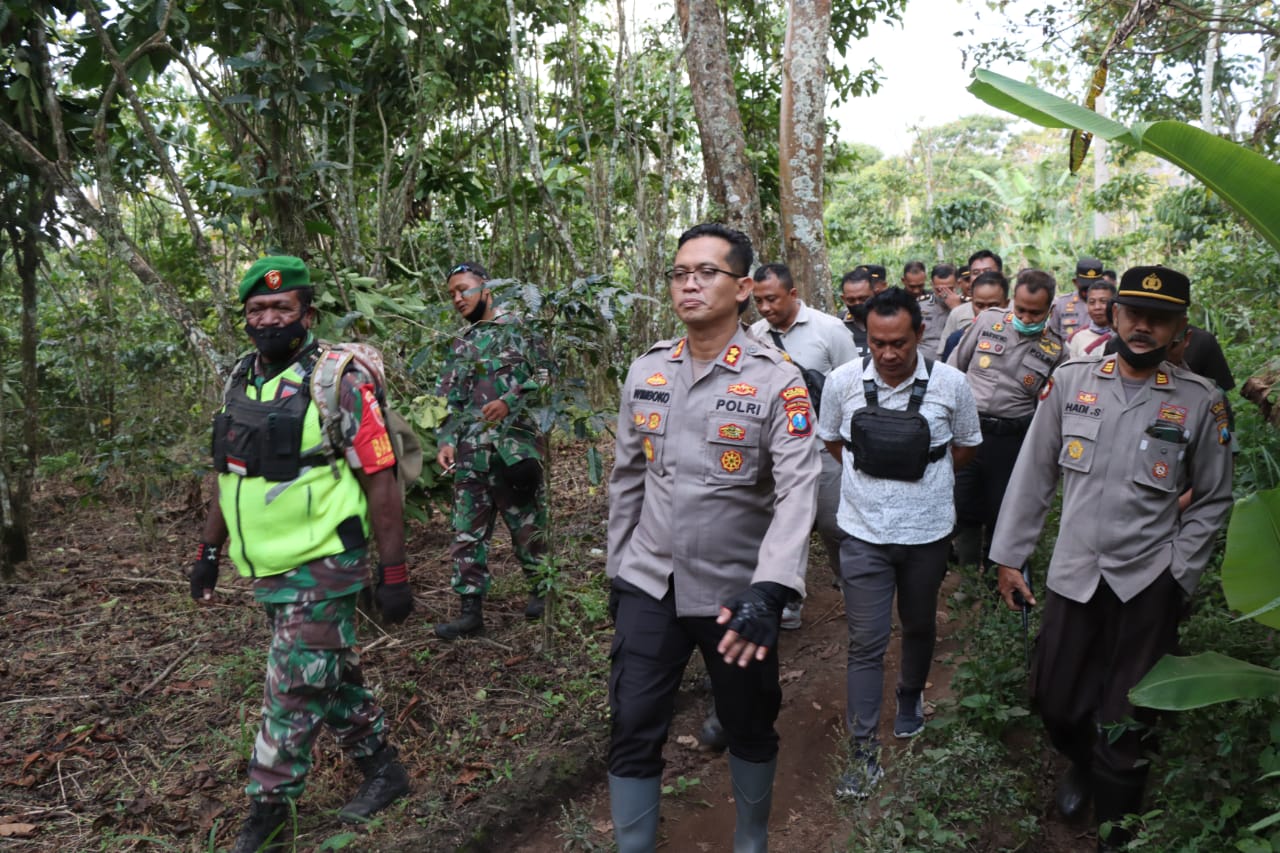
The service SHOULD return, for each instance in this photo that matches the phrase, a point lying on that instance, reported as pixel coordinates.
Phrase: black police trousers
(980, 485)
(651, 647)
(1088, 656)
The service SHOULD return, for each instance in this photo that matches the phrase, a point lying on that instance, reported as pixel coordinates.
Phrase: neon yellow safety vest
(279, 525)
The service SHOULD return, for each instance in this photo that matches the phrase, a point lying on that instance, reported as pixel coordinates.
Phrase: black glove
(758, 612)
(391, 590)
(204, 572)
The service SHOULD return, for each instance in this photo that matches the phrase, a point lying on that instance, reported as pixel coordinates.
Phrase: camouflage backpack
(330, 364)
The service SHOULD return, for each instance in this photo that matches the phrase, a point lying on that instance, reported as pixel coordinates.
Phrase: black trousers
(651, 647)
(1087, 658)
(980, 485)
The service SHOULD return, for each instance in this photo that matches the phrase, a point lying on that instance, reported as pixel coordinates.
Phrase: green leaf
(1243, 178)
(319, 226)
(1182, 683)
(1249, 578)
(595, 466)
(1044, 108)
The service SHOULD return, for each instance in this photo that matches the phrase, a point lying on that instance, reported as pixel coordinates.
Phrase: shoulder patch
(795, 392)
(1048, 386)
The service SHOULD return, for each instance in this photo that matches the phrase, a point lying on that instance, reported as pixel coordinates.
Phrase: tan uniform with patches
(1006, 370)
(1070, 313)
(1124, 464)
(715, 479)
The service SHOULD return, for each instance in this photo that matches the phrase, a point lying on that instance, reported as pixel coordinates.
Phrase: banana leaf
(1179, 684)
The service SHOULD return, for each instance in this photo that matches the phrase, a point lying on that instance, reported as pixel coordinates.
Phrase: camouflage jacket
(490, 360)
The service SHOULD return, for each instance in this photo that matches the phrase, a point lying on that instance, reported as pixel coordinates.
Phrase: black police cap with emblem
(875, 272)
(1155, 288)
(1088, 270)
(963, 273)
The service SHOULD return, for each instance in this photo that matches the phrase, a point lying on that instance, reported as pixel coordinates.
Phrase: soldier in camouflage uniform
(496, 453)
(299, 520)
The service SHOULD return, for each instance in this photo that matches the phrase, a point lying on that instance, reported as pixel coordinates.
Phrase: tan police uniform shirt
(714, 479)
(1120, 481)
(934, 312)
(1069, 313)
(1005, 369)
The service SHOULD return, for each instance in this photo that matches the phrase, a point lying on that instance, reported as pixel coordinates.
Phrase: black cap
(962, 272)
(1156, 288)
(1088, 270)
(875, 272)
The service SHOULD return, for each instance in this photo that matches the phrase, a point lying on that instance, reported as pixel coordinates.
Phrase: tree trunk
(730, 180)
(801, 138)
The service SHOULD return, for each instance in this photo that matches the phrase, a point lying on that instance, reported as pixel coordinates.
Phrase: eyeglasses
(702, 276)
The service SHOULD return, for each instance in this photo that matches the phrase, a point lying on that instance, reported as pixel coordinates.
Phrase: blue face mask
(1029, 328)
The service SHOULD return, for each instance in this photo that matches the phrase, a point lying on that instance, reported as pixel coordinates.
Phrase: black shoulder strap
(869, 385)
(777, 339)
(919, 387)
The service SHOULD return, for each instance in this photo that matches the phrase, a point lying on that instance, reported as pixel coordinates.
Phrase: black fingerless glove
(757, 612)
(391, 591)
(204, 572)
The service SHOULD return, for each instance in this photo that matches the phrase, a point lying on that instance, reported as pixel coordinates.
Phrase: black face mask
(277, 343)
(859, 312)
(1140, 360)
(477, 313)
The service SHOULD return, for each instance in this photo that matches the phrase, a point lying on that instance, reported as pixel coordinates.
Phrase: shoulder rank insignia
(1162, 378)
(656, 379)
(679, 349)
(1008, 318)
(1108, 367)
(732, 355)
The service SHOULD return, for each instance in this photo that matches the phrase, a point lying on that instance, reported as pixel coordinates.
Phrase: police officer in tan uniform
(1007, 357)
(710, 505)
(1130, 433)
(1071, 310)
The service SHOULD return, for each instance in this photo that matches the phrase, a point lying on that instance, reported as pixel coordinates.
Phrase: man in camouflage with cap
(492, 446)
(1129, 433)
(298, 519)
(1071, 310)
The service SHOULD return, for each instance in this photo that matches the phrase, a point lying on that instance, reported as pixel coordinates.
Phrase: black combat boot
(1116, 795)
(536, 607)
(385, 781)
(265, 829)
(470, 623)
(1075, 789)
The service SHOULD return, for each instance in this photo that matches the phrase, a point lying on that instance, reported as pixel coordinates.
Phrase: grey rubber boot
(633, 803)
(753, 794)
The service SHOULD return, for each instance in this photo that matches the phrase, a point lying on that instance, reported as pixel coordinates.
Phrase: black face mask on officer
(859, 312)
(278, 342)
(475, 315)
(1140, 360)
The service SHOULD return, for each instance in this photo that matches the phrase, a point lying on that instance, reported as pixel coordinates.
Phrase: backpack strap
(919, 387)
(869, 385)
(239, 375)
(326, 374)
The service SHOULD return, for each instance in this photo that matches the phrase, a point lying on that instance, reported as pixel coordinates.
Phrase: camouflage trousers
(478, 498)
(313, 678)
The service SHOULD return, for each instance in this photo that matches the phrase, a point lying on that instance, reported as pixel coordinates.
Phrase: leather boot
(536, 607)
(712, 736)
(468, 624)
(1114, 796)
(385, 781)
(265, 829)
(1075, 789)
(633, 804)
(753, 795)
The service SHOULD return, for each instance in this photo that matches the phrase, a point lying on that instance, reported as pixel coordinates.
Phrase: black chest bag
(893, 444)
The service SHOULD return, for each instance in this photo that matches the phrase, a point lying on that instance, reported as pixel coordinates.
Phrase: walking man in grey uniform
(1071, 310)
(711, 501)
(818, 342)
(1130, 433)
(896, 505)
(1007, 359)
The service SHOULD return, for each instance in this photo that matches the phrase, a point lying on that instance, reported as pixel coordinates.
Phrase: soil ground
(127, 713)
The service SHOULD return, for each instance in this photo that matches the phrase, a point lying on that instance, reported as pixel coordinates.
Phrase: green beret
(274, 274)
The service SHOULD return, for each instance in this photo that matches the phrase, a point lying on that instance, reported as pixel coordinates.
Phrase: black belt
(1004, 426)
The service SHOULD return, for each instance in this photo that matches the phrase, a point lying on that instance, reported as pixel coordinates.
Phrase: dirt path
(805, 816)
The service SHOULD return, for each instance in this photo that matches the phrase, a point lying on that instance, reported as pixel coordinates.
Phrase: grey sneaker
(791, 616)
(863, 777)
(909, 720)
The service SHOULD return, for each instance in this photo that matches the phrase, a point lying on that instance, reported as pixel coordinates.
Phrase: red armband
(372, 443)
(398, 573)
